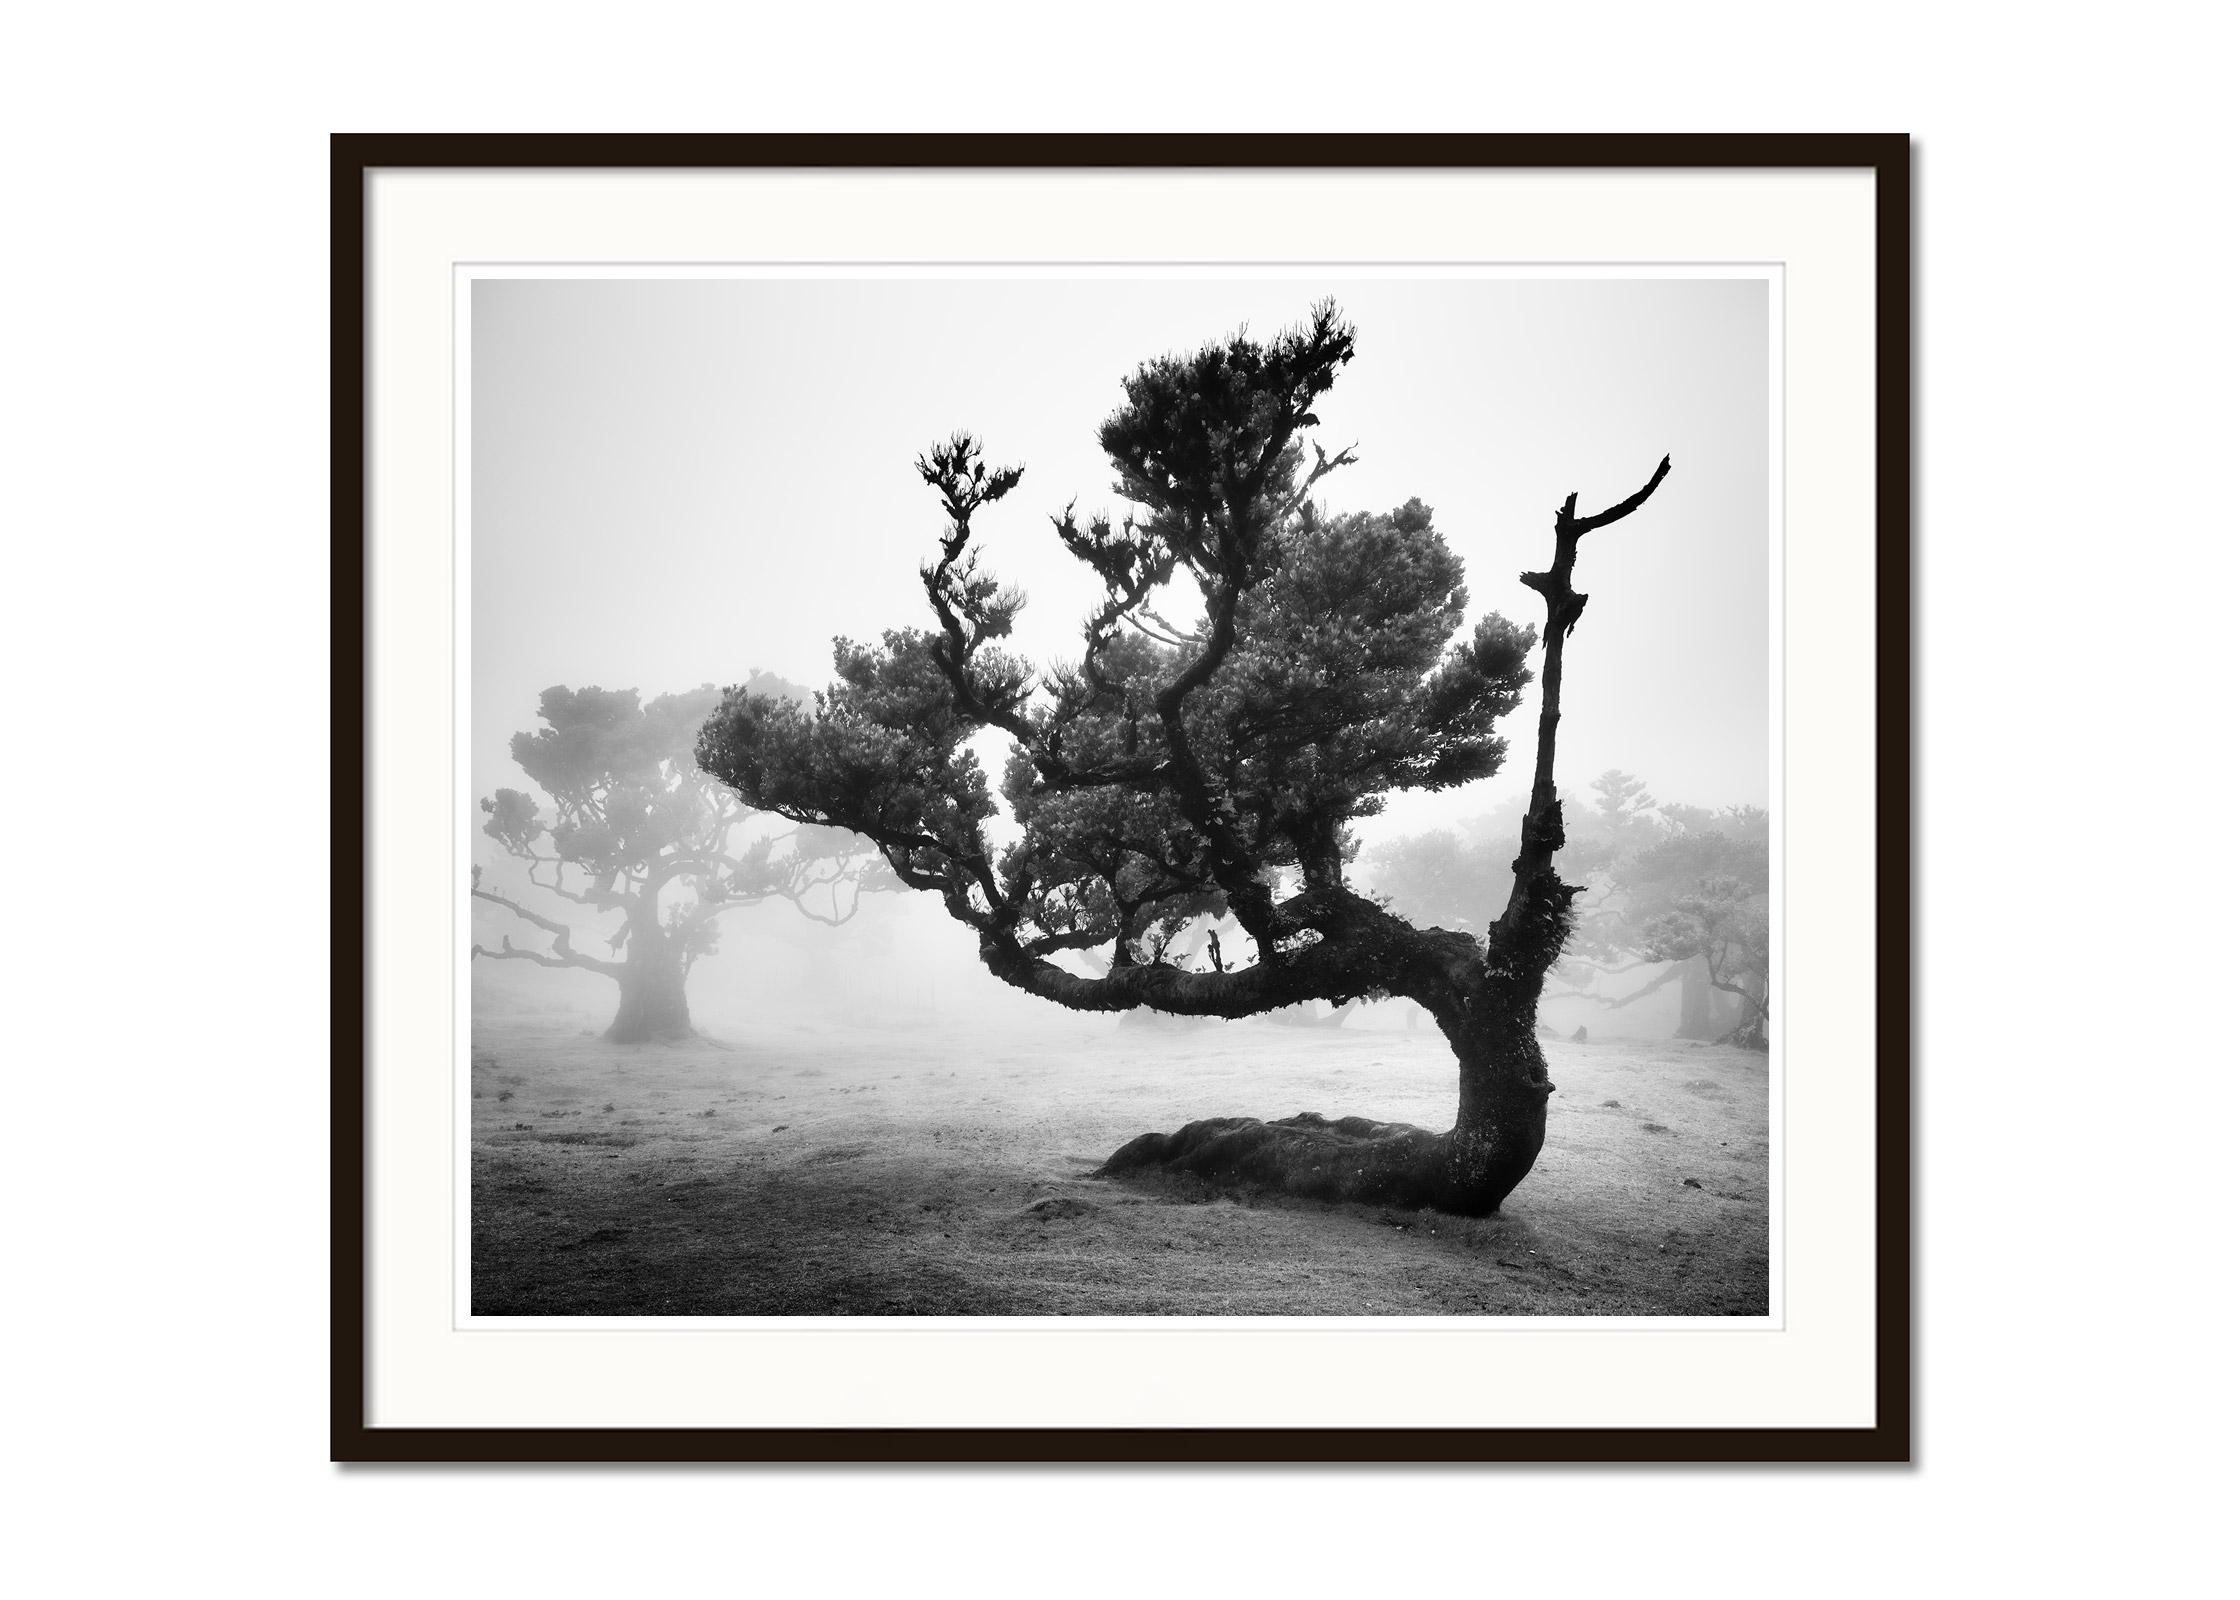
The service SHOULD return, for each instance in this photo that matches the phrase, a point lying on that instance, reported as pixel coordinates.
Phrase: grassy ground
(796, 1170)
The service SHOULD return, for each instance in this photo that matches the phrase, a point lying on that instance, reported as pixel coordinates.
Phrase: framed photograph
(981, 814)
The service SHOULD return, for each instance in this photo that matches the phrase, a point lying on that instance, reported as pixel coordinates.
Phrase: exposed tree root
(1308, 1156)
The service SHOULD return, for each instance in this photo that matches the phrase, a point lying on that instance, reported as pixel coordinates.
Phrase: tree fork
(1542, 834)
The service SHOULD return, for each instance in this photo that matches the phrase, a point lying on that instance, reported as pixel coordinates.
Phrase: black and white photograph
(899, 800)
(1094, 793)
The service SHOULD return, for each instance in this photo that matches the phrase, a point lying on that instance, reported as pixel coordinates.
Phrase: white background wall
(165, 505)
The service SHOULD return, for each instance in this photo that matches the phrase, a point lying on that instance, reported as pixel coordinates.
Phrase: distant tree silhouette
(1676, 888)
(1215, 762)
(1699, 897)
(1443, 878)
(637, 828)
(1673, 887)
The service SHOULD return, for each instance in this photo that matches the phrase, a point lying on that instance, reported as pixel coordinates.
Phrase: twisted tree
(638, 828)
(1214, 764)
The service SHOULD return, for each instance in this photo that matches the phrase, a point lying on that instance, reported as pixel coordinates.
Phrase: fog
(679, 482)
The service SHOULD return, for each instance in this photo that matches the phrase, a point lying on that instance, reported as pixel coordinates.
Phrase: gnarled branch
(563, 952)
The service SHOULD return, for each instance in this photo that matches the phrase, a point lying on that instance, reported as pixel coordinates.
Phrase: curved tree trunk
(1502, 1117)
(1500, 1122)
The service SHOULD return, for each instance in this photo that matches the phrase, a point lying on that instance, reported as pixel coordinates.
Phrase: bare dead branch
(1539, 901)
(1624, 508)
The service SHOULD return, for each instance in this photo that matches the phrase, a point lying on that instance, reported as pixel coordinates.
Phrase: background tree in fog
(1674, 891)
(1216, 758)
(1443, 878)
(1698, 896)
(637, 829)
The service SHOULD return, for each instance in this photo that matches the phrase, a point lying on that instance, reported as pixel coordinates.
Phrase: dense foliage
(1174, 770)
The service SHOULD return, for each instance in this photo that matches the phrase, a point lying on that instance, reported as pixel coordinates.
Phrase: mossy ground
(802, 1170)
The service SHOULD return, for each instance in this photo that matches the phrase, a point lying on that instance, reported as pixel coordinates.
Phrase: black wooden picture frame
(356, 157)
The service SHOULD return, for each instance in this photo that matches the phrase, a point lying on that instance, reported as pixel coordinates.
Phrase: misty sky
(676, 482)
